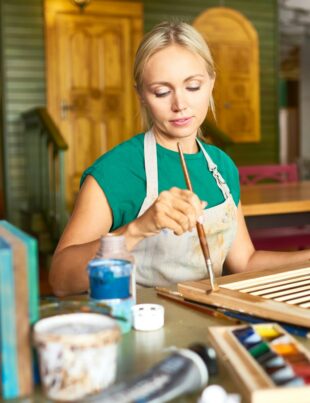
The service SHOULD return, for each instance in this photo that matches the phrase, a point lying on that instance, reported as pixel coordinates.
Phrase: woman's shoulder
(124, 156)
(124, 151)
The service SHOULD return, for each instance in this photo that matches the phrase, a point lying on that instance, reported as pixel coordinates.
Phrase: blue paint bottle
(112, 278)
(109, 278)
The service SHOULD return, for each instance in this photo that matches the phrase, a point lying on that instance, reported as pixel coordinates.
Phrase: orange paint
(285, 349)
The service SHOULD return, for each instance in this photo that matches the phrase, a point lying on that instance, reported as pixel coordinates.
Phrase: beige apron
(166, 258)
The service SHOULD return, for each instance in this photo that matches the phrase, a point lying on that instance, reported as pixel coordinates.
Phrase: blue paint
(243, 333)
(247, 337)
(109, 278)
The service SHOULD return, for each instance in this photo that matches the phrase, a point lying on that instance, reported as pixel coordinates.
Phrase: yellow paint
(267, 331)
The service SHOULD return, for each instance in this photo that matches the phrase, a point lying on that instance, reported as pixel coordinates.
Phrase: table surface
(183, 326)
(139, 351)
(275, 198)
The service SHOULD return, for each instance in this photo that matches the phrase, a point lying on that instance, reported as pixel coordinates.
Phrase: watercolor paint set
(267, 363)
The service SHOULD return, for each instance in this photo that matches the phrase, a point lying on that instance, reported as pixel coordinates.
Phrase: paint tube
(184, 371)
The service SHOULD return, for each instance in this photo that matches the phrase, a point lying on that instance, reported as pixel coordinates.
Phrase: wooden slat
(230, 298)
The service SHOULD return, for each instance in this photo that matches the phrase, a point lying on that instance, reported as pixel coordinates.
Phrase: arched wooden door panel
(235, 48)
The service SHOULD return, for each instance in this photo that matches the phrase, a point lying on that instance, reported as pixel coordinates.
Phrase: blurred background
(66, 91)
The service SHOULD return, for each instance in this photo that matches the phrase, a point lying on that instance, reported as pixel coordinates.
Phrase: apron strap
(216, 175)
(150, 164)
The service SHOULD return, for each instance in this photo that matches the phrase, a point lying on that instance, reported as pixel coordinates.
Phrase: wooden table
(139, 351)
(276, 204)
(183, 326)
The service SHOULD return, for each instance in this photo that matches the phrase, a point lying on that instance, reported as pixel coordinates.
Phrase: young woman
(138, 188)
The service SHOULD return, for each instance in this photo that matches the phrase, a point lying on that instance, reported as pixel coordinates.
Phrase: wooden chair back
(252, 174)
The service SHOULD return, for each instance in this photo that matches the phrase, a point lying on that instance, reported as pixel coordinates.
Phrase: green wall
(23, 76)
(263, 15)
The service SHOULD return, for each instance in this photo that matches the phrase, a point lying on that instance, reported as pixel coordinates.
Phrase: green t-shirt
(121, 175)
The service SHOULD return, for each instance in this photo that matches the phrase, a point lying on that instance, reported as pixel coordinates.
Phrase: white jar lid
(148, 316)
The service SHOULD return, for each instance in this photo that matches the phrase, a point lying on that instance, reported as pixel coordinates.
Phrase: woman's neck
(189, 144)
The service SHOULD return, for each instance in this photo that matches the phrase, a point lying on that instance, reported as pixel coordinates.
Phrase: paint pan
(77, 354)
(265, 361)
(276, 354)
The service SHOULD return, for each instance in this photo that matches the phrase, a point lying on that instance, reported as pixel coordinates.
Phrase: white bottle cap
(216, 393)
(147, 316)
(213, 393)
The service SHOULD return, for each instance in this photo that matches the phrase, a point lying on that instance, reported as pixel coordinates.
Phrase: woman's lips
(181, 121)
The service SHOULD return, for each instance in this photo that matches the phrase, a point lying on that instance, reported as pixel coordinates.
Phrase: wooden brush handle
(200, 229)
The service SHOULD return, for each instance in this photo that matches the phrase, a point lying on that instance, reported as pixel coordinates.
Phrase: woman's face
(176, 92)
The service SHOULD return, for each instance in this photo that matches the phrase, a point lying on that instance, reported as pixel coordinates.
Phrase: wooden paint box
(266, 363)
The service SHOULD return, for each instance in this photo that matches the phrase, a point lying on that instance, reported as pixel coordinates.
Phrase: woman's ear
(141, 99)
(212, 83)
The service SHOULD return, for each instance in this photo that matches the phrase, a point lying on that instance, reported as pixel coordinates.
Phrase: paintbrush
(179, 298)
(222, 313)
(201, 232)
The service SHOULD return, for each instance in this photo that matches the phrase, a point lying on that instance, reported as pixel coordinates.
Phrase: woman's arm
(243, 256)
(92, 217)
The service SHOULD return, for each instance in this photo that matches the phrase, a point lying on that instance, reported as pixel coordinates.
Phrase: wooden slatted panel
(263, 15)
(291, 288)
(23, 71)
(238, 292)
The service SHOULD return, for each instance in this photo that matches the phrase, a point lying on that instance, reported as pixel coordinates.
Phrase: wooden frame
(281, 295)
(254, 383)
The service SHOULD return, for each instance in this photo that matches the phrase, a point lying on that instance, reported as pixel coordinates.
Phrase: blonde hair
(161, 36)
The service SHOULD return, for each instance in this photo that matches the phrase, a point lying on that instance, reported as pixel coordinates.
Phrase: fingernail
(200, 219)
(204, 204)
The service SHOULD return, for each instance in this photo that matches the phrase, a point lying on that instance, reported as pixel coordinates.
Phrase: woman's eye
(193, 88)
(161, 94)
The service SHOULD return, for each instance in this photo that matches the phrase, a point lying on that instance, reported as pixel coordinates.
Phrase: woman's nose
(179, 103)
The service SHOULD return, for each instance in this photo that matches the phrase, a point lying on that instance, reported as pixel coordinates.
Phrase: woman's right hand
(175, 209)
